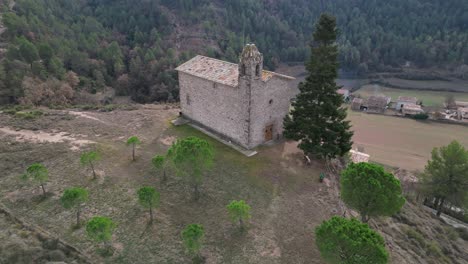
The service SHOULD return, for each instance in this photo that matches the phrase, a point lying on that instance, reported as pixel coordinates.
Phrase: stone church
(241, 102)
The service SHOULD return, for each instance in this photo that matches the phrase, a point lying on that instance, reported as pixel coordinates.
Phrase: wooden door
(268, 133)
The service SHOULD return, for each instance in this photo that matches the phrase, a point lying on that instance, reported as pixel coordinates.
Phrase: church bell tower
(251, 63)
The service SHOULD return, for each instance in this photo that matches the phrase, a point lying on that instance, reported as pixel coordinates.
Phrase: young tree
(191, 157)
(159, 162)
(74, 197)
(148, 198)
(446, 175)
(88, 159)
(38, 173)
(239, 211)
(192, 236)
(349, 241)
(134, 140)
(372, 191)
(100, 229)
(318, 121)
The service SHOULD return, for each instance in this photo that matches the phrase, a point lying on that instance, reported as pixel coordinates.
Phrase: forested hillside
(57, 48)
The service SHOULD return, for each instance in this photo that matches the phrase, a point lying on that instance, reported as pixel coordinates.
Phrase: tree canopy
(239, 211)
(134, 50)
(100, 228)
(149, 198)
(372, 191)
(89, 158)
(192, 237)
(73, 198)
(191, 157)
(343, 241)
(38, 173)
(446, 175)
(317, 120)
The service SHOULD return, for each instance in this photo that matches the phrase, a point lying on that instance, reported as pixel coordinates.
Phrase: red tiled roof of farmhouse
(342, 91)
(408, 99)
(219, 71)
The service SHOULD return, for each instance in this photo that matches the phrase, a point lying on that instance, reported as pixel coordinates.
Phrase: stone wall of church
(216, 106)
(270, 103)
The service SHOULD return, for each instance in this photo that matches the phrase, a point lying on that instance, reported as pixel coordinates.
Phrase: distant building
(377, 103)
(403, 100)
(357, 104)
(412, 109)
(461, 104)
(344, 93)
(357, 156)
(240, 102)
(462, 113)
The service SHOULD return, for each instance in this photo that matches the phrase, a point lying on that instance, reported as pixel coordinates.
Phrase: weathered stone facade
(242, 103)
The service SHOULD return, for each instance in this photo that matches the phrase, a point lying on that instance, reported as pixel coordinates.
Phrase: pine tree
(317, 119)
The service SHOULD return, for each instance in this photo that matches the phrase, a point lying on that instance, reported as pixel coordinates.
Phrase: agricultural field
(402, 142)
(429, 98)
(287, 200)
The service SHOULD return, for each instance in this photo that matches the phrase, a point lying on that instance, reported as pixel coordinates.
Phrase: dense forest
(57, 49)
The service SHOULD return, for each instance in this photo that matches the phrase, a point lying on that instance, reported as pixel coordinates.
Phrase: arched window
(257, 70)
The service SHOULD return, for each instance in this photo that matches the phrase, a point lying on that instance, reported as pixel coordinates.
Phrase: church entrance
(268, 133)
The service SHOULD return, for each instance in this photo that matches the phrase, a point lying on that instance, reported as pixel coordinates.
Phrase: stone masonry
(240, 102)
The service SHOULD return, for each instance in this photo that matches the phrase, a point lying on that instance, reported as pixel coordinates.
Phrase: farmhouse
(344, 93)
(241, 102)
(462, 113)
(377, 104)
(412, 109)
(403, 100)
(357, 104)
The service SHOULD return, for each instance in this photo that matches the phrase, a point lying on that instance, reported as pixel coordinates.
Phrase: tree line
(132, 46)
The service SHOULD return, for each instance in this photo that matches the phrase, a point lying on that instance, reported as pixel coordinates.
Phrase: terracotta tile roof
(407, 99)
(342, 91)
(219, 71)
(413, 107)
(358, 100)
(377, 101)
(357, 156)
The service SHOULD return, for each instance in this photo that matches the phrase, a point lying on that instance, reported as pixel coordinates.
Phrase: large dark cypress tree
(318, 119)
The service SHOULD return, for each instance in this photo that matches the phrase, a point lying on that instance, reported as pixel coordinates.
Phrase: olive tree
(370, 190)
(191, 157)
(73, 198)
(88, 159)
(38, 173)
(343, 241)
(133, 141)
(239, 211)
(148, 198)
(192, 237)
(446, 176)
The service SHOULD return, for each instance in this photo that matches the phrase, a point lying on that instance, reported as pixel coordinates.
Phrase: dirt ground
(286, 198)
(402, 142)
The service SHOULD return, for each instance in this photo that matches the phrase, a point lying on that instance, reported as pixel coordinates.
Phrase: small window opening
(257, 70)
(187, 99)
(270, 102)
(243, 69)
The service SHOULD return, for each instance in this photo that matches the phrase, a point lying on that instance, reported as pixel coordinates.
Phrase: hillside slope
(133, 46)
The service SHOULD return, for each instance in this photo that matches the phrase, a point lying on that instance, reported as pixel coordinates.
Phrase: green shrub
(451, 233)
(415, 235)
(422, 116)
(463, 233)
(33, 114)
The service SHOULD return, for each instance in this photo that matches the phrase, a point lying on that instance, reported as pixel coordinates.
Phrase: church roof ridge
(220, 71)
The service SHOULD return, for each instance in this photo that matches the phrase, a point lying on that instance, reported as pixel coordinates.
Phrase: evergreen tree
(318, 120)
